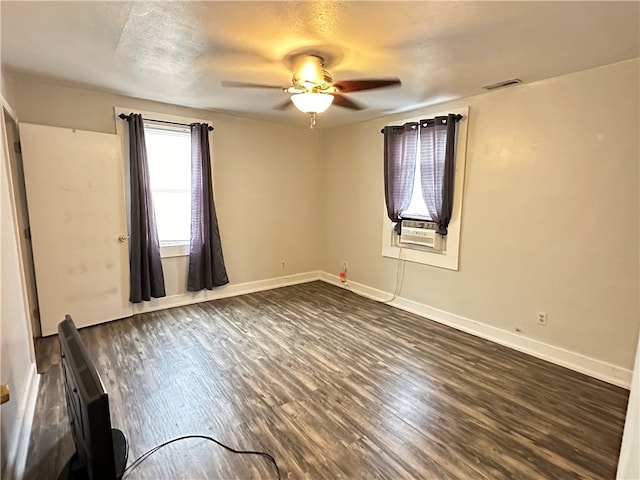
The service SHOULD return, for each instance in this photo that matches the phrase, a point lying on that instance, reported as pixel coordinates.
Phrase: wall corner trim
(18, 457)
(578, 362)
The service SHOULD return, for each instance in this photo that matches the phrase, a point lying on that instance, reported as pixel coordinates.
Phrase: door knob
(4, 389)
(123, 238)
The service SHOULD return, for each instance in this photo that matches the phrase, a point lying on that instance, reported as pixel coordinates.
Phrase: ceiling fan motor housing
(309, 76)
(327, 80)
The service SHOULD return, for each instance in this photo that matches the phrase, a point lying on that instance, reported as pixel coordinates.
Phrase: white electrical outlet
(542, 318)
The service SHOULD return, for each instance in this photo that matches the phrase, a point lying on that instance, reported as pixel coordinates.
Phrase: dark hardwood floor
(334, 386)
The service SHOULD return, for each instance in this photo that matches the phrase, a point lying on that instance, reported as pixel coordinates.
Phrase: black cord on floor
(146, 455)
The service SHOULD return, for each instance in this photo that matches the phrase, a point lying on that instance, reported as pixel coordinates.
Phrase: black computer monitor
(101, 452)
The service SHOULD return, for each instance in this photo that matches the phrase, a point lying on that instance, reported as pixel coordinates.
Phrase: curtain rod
(123, 116)
(458, 118)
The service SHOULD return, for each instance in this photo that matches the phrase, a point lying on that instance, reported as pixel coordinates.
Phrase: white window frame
(175, 250)
(447, 258)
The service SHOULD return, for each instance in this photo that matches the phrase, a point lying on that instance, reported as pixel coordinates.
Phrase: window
(416, 207)
(168, 144)
(169, 157)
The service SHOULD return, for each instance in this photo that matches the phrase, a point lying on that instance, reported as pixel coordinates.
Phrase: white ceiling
(179, 52)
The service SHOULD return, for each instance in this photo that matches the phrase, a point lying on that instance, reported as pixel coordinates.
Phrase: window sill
(436, 259)
(447, 258)
(174, 250)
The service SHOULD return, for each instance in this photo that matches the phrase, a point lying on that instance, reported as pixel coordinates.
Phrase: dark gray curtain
(437, 167)
(145, 267)
(206, 263)
(400, 148)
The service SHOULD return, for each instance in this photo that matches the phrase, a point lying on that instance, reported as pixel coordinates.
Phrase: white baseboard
(230, 290)
(18, 456)
(604, 371)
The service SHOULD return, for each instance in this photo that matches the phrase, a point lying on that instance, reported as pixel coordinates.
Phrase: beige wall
(266, 184)
(550, 216)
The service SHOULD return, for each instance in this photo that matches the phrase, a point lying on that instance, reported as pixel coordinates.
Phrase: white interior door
(75, 196)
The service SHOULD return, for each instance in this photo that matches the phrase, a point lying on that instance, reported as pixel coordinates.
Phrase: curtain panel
(437, 168)
(206, 262)
(400, 148)
(145, 266)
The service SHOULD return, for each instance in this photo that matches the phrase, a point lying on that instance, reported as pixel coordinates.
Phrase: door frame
(29, 294)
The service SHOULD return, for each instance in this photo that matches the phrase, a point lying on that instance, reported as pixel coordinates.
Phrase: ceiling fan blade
(345, 102)
(284, 105)
(226, 83)
(347, 86)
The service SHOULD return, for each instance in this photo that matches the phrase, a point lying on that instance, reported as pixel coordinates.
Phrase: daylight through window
(417, 207)
(169, 156)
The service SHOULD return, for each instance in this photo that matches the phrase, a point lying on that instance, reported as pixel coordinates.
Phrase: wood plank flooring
(334, 386)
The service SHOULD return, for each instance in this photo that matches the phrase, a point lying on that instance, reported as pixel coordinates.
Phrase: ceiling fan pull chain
(312, 115)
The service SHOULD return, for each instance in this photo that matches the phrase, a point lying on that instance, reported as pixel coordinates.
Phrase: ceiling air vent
(506, 83)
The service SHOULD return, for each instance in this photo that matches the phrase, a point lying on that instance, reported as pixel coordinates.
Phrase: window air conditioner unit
(422, 234)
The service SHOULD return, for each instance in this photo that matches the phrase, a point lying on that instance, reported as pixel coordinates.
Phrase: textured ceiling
(179, 52)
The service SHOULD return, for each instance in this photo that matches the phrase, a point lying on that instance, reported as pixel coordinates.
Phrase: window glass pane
(173, 216)
(169, 156)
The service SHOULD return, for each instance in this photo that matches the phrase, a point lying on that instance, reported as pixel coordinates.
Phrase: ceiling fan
(313, 88)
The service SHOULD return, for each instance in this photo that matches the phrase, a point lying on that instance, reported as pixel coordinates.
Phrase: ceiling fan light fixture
(312, 102)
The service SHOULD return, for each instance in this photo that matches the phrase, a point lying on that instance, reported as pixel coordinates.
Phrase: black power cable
(146, 455)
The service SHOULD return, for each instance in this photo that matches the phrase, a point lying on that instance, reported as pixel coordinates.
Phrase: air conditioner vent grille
(506, 83)
(420, 233)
